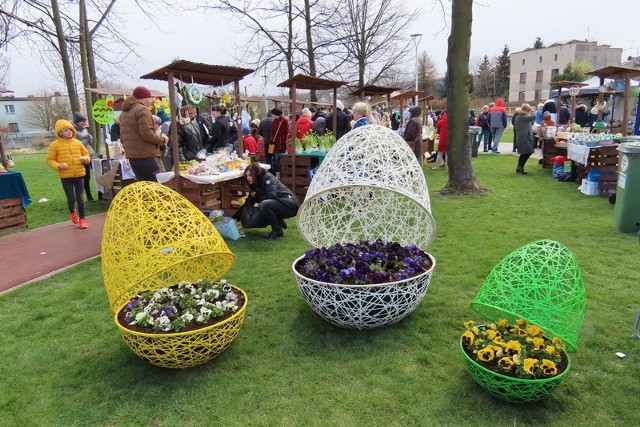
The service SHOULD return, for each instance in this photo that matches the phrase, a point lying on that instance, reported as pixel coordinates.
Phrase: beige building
(533, 69)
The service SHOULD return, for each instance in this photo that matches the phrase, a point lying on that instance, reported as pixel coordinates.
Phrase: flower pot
(364, 306)
(185, 349)
(511, 389)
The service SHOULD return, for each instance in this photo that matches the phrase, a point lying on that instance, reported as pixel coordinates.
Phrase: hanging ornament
(226, 98)
(194, 94)
(102, 113)
(166, 104)
(157, 103)
(109, 100)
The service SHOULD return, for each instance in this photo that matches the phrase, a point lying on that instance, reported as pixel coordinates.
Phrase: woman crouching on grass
(275, 201)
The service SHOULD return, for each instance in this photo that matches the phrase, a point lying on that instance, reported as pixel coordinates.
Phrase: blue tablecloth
(12, 185)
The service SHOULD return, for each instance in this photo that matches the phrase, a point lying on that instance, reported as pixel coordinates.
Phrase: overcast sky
(200, 38)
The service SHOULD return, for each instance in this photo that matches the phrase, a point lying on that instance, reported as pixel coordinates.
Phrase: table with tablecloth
(12, 185)
(602, 157)
(223, 190)
(14, 198)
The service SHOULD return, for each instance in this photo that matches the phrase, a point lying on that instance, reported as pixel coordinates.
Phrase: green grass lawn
(64, 362)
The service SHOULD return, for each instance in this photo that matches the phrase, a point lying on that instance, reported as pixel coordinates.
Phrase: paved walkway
(36, 254)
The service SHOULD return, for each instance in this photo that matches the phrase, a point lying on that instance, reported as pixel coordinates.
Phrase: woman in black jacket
(275, 201)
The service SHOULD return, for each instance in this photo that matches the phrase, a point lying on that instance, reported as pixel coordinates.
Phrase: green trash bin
(474, 141)
(626, 212)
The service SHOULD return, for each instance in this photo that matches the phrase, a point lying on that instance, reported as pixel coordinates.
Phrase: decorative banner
(102, 113)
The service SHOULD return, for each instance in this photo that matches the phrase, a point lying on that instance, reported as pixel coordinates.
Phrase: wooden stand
(223, 195)
(296, 177)
(12, 215)
(606, 160)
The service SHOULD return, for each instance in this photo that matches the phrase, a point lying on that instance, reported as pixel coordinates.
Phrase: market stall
(298, 180)
(622, 73)
(197, 74)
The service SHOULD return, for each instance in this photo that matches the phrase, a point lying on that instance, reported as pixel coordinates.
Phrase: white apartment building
(533, 69)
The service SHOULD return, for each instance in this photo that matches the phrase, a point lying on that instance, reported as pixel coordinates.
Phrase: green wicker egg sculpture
(540, 282)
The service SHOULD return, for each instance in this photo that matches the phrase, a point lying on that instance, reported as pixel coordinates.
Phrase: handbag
(227, 228)
(272, 148)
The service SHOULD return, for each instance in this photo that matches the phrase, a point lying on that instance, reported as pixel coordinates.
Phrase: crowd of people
(145, 137)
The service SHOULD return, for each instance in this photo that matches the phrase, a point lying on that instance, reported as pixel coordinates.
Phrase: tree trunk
(64, 57)
(461, 178)
(313, 97)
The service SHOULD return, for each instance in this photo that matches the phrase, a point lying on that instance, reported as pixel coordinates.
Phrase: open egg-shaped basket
(153, 237)
(369, 186)
(540, 283)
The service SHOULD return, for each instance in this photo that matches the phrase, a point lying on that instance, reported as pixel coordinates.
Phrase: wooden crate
(608, 164)
(297, 179)
(12, 215)
(203, 196)
(549, 151)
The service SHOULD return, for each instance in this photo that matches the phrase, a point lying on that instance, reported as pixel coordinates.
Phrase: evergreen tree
(538, 44)
(502, 70)
(485, 79)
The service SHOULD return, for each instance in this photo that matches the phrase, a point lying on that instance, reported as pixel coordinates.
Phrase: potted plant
(310, 141)
(326, 141)
(365, 284)
(298, 145)
(514, 362)
(182, 325)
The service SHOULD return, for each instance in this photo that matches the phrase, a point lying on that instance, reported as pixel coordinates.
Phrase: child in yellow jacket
(67, 156)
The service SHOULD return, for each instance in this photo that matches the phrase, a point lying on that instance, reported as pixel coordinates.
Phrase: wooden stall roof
(612, 72)
(119, 92)
(372, 90)
(308, 82)
(427, 98)
(406, 94)
(195, 72)
(301, 102)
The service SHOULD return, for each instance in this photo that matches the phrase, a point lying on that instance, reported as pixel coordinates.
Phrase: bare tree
(485, 80)
(427, 74)
(461, 177)
(43, 111)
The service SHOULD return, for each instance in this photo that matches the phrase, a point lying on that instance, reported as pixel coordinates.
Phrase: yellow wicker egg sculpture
(154, 237)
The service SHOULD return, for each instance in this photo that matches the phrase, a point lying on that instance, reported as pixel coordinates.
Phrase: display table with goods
(14, 198)
(162, 266)
(367, 215)
(533, 302)
(214, 183)
(595, 158)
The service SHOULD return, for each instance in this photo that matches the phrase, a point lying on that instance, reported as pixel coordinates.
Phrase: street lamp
(415, 38)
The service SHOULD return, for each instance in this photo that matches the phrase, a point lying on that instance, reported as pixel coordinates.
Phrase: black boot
(275, 234)
(282, 223)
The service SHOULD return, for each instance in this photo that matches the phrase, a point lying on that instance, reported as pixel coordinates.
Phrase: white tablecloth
(578, 153)
(206, 179)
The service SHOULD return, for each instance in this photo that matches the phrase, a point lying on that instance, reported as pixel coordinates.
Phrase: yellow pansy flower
(504, 323)
(487, 354)
(467, 338)
(513, 347)
(469, 324)
(538, 343)
(506, 363)
(530, 365)
(549, 367)
(551, 350)
(492, 335)
(534, 331)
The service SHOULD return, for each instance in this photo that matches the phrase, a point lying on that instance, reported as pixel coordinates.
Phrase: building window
(9, 109)
(540, 60)
(522, 61)
(538, 95)
(539, 75)
(555, 57)
(521, 96)
(13, 127)
(523, 77)
(554, 73)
